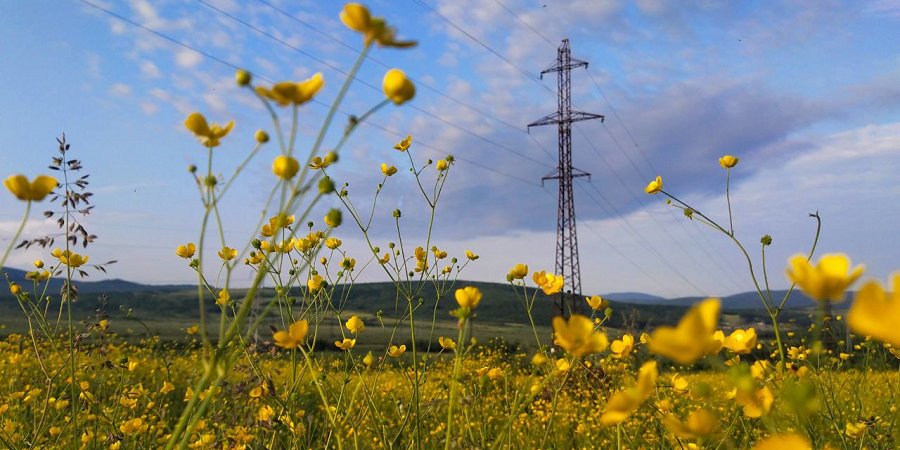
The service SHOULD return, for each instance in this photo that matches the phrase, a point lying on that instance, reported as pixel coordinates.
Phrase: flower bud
(397, 213)
(326, 186)
(397, 87)
(766, 240)
(210, 181)
(285, 167)
(192, 168)
(331, 157)
(261, 136)
(334, 218)
(242, 77)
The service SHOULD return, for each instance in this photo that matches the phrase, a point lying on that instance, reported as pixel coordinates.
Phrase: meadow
(306, 357)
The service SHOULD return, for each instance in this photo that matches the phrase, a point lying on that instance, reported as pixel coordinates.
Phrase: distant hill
(634, 297)
(96, 287)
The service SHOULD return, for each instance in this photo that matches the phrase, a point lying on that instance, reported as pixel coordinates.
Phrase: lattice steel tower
(567, 263)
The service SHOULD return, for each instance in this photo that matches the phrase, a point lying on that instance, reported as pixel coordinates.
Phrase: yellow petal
(197, 124)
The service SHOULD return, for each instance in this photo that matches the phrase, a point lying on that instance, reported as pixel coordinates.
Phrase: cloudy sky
(806, 93)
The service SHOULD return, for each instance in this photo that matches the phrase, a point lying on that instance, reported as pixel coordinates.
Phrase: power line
(363, 82)
(526, 23)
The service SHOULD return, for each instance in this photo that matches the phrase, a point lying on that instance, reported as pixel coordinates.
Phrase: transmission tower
(567, 263)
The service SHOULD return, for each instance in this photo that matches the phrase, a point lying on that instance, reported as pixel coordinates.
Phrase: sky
(805, 93)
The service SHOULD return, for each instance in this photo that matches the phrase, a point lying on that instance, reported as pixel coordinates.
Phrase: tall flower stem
(454, 382)
(15, 238)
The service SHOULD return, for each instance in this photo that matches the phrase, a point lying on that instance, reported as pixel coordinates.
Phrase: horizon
(803, 93)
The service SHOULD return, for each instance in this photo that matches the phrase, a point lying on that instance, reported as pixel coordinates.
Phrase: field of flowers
(233, 383)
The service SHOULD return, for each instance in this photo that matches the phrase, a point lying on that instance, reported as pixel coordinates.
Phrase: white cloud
(149, 69)
(120, 90)
(149, 108)
(188, 58)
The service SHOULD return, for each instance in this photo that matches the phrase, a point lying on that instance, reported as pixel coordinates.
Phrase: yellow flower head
(398, 88)
(294, 337)
(577, 335)
(827, 280)
(315, 283)
(740, 341)
(700, 424)
(623, 403)
(285, 167)
(471, 255)
(395, 351)
(70, 259)
(692, 337)
(33, 191)
(548, 282)
(495, 373)
(621, 348)
(387, 170)
(519, 271)
(404, 144)
(355, 325)
(728, 161)
(289, 92)
(876, 313)
(345, 344)
(441, 165)
(446, 343)
(654, 186)
(369, 359)
(223, 297)
(15, 289)
(208, 133)
(333, 243)
(756, 402)
(596, 303)
(374, 29)
(227, 253)
(468, 297)
(186, 251)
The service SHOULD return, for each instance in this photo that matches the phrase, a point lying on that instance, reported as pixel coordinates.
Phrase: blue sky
(806, 93)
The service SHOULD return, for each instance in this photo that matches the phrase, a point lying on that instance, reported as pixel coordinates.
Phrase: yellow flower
(355, 325)
(441, 165)
(621, 348)
(388, 170)
(285, 167)
(30, 191)
(374, 29)
(539, 359)
(71, 259)
(346, 344)
(577, 335)
(596, 303)
(265, 413)
(728, 161)
(227, 253)
(15, 289)
(369, 359)
(348, 263)
(397, 88)
(315, 283)
(446, 343)
(623, 403)
(333, 243)
(468, 297)
(875, 313)
(740, 341)
(519, 271)
(700, 423)
(223, 298)
(827, 280)
(404, 144)
(289, 92)
(208, 133)
(692, 338)
(654, 186)
(756, 402)
(783, 442)
(562, 366)
(166, 388)
(192, 330)
(294, 337)
(548, 282)
(395, 351)
(495, 373)
(186, 251)
(132, 426)
(471, 255)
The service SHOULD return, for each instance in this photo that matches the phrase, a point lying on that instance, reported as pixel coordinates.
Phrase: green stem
(15, 238)
(454, 382)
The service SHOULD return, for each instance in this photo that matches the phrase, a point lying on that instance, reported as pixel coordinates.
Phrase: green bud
(326, 186)
(766, 240)
(242, 77)
(334, 218)
(397, 213)
(192, 168)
